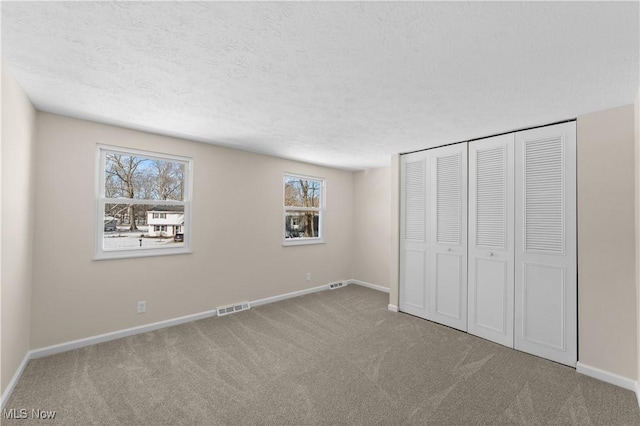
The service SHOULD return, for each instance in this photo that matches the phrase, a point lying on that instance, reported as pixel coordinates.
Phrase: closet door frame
(540, 304)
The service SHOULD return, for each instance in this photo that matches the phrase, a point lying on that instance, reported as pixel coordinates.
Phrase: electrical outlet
(308, 276)
(142, 307)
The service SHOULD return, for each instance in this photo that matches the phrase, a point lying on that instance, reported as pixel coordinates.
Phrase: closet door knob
(449, 249)
(490, 253)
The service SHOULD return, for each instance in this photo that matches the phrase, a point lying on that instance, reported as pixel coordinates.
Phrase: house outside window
(143, 199)
(303, 209)
(166, 224)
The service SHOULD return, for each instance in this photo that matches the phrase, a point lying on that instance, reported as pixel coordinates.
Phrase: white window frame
(99, 252)
(320, 239)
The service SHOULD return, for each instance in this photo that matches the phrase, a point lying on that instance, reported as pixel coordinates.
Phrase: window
(142, 198)
(303, 210)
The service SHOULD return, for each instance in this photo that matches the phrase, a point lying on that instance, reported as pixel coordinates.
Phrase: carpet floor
(329, 358)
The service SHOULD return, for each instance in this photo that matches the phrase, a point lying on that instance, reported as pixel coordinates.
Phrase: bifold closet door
(545, 252)
(414, 286)
(491, 239)
(448, 236)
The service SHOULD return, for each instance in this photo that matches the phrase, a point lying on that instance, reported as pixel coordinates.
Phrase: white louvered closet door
(448, 237)
(545, 261)
(491, 239)
(414, 286)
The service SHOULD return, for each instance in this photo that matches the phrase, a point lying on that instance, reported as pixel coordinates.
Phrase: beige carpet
(335, 357)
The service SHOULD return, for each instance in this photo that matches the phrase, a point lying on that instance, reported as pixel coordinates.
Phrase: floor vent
(226, 310)
(336, 285)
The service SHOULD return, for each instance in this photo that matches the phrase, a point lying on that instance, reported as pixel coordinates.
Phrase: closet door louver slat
(448, 199)
(414, 200)
(490, 197)
(543, 195)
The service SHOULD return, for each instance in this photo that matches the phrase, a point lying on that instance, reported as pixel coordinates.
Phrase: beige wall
(372, 216)
(237, 234)
(18, 127)
(607, 324)
(637, 218)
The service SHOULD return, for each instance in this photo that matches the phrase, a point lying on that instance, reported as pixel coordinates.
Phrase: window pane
(301, 192)
(302, 224)
(130, 176)
(153, 226)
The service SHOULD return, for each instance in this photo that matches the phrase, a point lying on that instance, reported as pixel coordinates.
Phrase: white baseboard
(393, 308)
(606, 376)
(369, 285)
(80, 343)
(14, 380)
(75, 344)
(638, 393)
(289, 295)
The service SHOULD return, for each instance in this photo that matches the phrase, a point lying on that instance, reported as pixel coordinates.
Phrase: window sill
(302, 242)
(127, 254)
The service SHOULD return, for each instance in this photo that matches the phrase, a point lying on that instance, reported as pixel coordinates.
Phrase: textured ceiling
(340, 84)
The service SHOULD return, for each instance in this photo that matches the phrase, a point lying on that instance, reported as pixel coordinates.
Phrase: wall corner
(394, 273)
